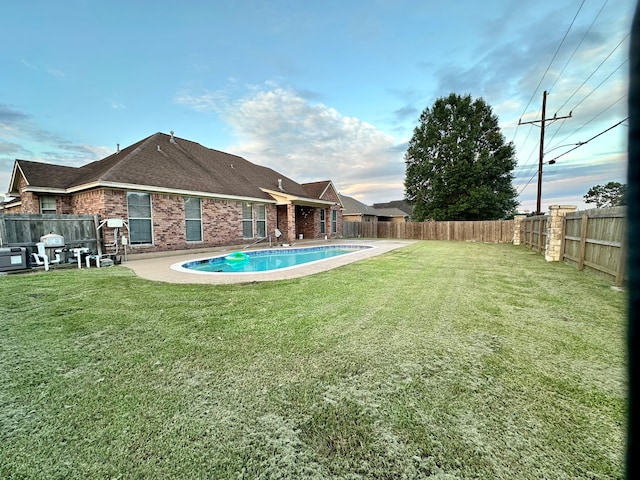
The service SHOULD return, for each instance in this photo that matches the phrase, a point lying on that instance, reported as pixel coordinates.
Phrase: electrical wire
(579, 44)
(600, 84)
(592, 119)
(593, 73)
(587, 96)
(580, 144)
(527, 184)
(550, 63)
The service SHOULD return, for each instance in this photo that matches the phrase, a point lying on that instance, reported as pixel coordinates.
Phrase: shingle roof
(399, 204)
(316, 189)
(167, 162)
(40, 174)
(391, 212)
(354, 207)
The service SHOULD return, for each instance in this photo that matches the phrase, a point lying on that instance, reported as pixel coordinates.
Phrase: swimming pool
(267, 260)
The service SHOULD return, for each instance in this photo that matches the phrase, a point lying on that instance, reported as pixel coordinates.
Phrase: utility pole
(542, 121)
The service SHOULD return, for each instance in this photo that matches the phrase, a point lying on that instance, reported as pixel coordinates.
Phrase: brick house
(176, 194)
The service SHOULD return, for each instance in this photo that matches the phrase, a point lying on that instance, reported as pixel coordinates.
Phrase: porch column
(291, 223)
(554, 231)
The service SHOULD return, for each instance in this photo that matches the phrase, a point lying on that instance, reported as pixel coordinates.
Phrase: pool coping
(159, 268)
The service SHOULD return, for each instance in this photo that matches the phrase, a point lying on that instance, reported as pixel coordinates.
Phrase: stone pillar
(554, 231)
(517, 223)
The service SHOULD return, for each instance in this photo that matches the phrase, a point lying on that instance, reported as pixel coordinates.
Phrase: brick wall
(221, 219)
(221, 222)
(91, 202)
(30, 201)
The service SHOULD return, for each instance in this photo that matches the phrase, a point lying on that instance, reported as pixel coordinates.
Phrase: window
(139, 205)
(251, 225)
(193, 219)
(322, 220)
(48, 204)
(334, 221)
(247, 220)
(261, 221)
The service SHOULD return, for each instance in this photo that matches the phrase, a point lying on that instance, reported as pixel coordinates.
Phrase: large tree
(612, 194)
(458, 166)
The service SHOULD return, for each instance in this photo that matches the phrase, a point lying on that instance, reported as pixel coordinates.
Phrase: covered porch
(298, 217)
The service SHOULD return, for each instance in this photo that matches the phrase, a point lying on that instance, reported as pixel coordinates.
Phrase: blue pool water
(273, 259)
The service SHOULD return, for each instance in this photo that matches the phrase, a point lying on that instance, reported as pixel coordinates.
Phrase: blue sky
(316, 89)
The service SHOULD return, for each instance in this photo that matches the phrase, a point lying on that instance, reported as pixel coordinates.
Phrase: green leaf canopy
(458, 166)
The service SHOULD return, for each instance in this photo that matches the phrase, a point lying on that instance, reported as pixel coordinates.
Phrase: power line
(600, 84)
(577, 145)
(587, 96)
(557, 130)
(527, 184)
(549, 66)
(593, 73)
(592, 119)
(579, 44)
(580, 144)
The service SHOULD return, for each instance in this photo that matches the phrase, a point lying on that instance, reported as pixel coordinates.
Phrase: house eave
(283, 198)
(51, 190)
(12, 204)
(169, 191)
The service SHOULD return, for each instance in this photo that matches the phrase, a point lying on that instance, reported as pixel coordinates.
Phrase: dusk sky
(317, 89)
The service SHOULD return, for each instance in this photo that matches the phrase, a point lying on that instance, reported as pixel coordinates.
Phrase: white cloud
(306, 141)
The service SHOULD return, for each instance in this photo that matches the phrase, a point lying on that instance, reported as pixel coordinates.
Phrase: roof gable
(323, 190)
(44, 175)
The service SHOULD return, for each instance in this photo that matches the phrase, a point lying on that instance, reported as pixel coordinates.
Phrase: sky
(318, 89)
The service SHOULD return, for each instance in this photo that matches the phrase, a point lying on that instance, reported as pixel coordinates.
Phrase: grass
(438, 360)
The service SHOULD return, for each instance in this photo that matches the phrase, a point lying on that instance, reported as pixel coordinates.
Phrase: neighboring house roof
(399, 204)
(165, 163)
(354, 207)
(391, 212)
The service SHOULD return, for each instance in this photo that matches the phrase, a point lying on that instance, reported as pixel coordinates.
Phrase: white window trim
(192, 220)
(248, 220)
(55, 203)
(263, 207)
(134, 245)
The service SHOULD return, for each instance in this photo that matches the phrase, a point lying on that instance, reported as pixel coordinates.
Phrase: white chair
(42, 259)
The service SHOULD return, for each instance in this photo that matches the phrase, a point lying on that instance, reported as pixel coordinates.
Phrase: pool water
(273, 259)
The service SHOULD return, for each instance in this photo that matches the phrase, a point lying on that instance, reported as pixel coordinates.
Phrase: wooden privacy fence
(24, 230)
(533, 233)
(497, 231)
(596, 240)
(593, 240)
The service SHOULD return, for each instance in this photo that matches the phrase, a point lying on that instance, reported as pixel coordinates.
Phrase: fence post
(540, 220)
(623, 259)
(583, 241)
(555, 231)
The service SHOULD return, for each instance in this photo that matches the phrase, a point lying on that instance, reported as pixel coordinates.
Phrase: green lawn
(438, 360)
